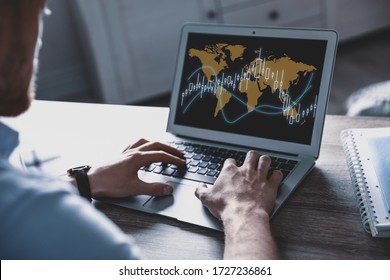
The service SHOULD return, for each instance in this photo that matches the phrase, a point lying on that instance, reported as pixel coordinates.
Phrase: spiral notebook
(368, 156)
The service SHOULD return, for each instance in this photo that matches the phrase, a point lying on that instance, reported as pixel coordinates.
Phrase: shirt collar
(9, 140)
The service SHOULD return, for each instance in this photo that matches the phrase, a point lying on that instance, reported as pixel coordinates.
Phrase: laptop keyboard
(204, 163)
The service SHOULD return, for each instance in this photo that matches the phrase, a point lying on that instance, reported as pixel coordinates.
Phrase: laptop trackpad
(184, 206)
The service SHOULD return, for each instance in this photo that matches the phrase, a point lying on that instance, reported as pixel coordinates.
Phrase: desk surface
(319, 221)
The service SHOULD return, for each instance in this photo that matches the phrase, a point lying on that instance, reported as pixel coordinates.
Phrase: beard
(18, 102)
(19, 71)
(16, 105)
(19, 90)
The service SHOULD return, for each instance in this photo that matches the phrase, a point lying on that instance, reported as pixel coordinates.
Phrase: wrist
(248, 235)
(243, 214)
(98, 183)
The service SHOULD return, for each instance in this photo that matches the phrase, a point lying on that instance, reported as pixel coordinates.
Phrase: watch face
(72, 171)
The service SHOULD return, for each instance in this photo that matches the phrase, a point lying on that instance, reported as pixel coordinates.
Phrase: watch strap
(81, 177)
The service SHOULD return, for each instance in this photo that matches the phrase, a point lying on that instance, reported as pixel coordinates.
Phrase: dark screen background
(199, 112)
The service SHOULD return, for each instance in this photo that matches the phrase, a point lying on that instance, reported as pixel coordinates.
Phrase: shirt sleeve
(42, 218)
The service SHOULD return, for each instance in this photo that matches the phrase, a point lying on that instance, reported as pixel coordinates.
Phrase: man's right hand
(243, 198)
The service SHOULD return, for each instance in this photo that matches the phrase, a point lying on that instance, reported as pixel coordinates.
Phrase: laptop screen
(265, 87)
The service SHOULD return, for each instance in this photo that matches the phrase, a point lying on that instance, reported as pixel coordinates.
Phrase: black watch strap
(80, 174)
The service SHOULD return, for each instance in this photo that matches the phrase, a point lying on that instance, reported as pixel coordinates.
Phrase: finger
(154, 189)
(136, 144)
(252, 159)
(229, 161)
(276, 177)
(263, 165)
(200, 191)
(157, 146)
(149, 157)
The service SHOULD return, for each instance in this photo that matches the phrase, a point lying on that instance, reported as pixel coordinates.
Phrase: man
(42, 218)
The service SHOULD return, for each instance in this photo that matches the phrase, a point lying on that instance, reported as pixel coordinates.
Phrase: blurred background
(124, 51)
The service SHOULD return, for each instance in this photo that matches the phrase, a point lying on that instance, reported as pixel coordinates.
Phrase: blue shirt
(45, 218)
(9, 140)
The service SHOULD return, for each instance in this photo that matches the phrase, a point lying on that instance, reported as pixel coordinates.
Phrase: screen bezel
(249, 141)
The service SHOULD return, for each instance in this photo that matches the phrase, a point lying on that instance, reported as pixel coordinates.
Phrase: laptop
(238, 88)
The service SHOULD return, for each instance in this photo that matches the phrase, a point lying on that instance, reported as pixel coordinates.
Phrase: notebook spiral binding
(366, 208)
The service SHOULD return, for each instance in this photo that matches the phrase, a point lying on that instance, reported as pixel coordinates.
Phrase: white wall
(66, 75)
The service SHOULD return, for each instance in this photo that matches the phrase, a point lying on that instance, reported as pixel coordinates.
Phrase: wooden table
(319, 221)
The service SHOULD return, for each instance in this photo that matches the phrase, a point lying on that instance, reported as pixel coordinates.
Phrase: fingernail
(167, 190)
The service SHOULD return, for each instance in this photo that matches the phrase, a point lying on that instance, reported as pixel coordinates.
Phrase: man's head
(19, 27)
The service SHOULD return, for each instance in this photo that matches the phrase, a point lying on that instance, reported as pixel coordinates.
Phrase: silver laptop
(238, 88)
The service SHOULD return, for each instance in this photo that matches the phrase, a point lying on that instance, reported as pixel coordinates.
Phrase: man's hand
(244, 188)
(242, 198)
(120, 179)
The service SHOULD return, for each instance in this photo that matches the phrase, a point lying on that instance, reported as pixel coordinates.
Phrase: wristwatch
(80, 174)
